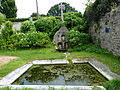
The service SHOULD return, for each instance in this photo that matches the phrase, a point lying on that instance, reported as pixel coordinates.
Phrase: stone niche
(60, 39)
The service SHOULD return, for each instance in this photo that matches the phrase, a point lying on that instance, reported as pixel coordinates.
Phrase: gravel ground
(6, 59)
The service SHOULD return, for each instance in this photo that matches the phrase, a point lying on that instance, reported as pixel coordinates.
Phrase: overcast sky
(27, 7)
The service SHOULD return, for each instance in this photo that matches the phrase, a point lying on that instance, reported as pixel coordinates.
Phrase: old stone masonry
(107, 31)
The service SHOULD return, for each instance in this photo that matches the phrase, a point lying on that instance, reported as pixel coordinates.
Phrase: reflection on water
(76, 74)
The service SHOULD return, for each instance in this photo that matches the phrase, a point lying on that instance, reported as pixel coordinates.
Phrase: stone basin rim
(11, 77)
(46, 87)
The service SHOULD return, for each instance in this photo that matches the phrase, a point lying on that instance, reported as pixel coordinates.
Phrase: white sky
(27, 7)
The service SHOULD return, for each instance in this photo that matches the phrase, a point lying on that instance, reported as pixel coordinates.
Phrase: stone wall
(107, 31)
(17, 25)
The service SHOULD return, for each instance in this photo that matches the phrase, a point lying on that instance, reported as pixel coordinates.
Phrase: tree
(34, 15)
(55, 11)
(8, 8)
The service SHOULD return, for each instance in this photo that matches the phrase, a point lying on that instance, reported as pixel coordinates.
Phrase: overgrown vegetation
(27, 38)
(27, 26)
(112, 85)
(90, 48)
(20, 19)
(99, 8)
(8, 7)
(75, 21)
(6, 39)
(49, 25)
(77, 39)
(81, 42)
(30, 31)
(2, 19)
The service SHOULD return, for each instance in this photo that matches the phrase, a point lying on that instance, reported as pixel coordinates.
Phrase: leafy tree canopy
(8, 8)
(55, 11)
(34, 14)
(99, 8)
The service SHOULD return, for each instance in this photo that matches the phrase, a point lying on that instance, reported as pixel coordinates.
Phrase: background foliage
(29, 37)
(77, 39)
(7, 31)
(6, 40)
(27, 26)
(48, 25)
(74, 20)
(2, 18)
(99, 8)
(8, 8)
(32, 39)
(55, 11)
(90, 48)
(20, 19)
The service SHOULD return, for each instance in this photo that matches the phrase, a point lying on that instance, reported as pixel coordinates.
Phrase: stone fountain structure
(60, 37)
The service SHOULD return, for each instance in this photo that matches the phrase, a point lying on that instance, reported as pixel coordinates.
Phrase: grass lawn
(26, 56)
(113, 62)
(49, 53)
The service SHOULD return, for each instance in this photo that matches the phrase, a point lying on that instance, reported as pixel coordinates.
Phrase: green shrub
(75, 21)
(49, 25)
(32, 39)
(20, 19)
(12, 40)
(7, 31)
(79, 48)
(2, 18)
(27, 26)
(7, 40)
(97, 49)
(76, 38)
(90, 48)
(44, 24)
(112, 85)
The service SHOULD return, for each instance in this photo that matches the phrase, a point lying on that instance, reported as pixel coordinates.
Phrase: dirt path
(6, 59)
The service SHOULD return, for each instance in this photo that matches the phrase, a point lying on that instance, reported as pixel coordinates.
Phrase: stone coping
(106, 75)
(10, 78)
(56, 87)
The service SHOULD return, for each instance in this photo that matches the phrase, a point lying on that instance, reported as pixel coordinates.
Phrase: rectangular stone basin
(66, 74)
